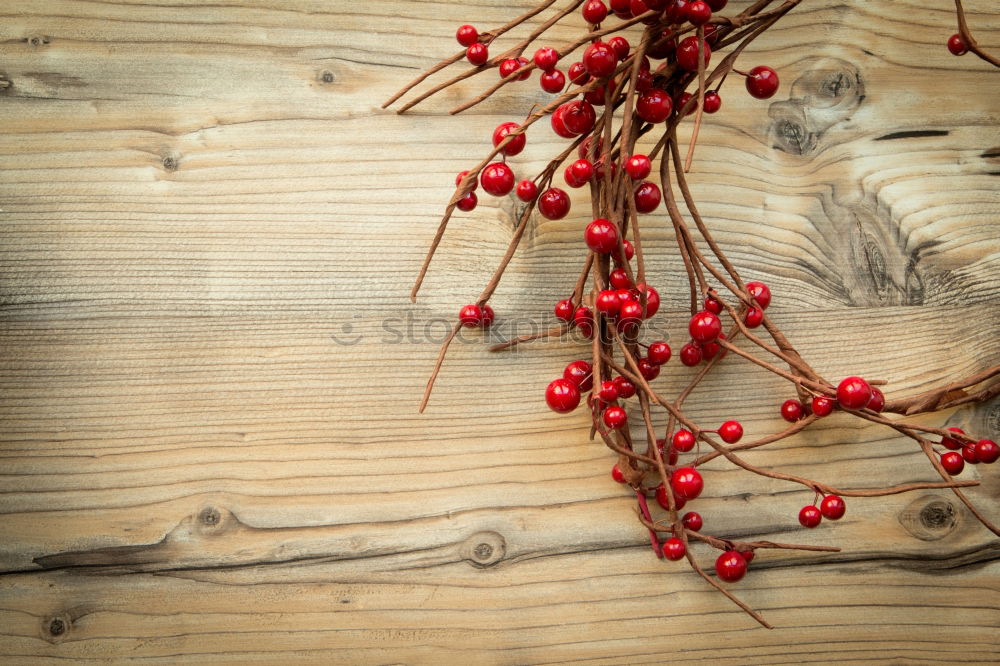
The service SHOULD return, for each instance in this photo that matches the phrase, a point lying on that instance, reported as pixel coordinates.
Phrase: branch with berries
(669, 70)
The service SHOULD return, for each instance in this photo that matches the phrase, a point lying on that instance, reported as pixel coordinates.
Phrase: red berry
(687, 483)
(577, 73)
(564, 310)
(562, 396)
(698, 12)
(952, 462)
(552, 81)
(579, 117)
(792, 410)
(822, 406)
(468, 202)
(762, 82)
(652, 299)
(620, 46)
(877, 401)
(713, 305)
(581, 374)
(553, 204)
(511, 65)
(546, 58)
(754, 317)
(630, 314)
(683, 440)
(731, 432)
(654, 106)
(471, 316)
(608, 392)
(659, 352)
(957, 45)
(664, 45)
(683, 106)
(497, 179)
(833, 507)
(854, 393)
(467, 35)
(601, 236)
(644, 80)
(515, 145)
(629, 250)
(626, 389)
(687, 53)
(619, 279)
(558, 122)
(951, 443)
(617, 475)
(584, 320)
(638, 167)
(582, 170)
(713, 102)
(647, 197)
(477, 54)
(710, 349)
(488, 315)
(690, 355)
(730, 566)
(987, 451)
(760, 293)
(608, 303)
(692, 521)
(614, 417)
(526, 190)
(704, 327)
(717, 5)
(594, 11)
(648, 369)
(600, 60)
(969, 454)
(748, 555)
(664, 501)
(461, 176)
(674, 549)
(810, 516)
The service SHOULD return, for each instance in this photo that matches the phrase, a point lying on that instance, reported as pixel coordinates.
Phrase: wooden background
(210, 367)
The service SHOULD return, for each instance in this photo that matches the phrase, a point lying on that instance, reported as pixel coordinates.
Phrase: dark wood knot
(484, 549)
(929, 518)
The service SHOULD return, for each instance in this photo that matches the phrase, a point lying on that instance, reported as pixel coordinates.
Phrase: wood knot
(56, 627)
(37, 40)
(929, 518)
(209, 516)
(326, 76)
(484, 549)
(171, 163)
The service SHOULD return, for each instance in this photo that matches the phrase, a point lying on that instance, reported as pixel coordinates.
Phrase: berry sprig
(654, 80)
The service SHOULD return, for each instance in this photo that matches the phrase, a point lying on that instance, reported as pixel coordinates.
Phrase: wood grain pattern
(210, 367)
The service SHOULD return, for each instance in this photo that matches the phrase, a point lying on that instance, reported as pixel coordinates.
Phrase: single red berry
(652, 299)
(608, 392)
(471, 316)
(600, 60)
(644, 80)
(477, 54)
(969, 454)
(648, 369)
(461, 176)
(608, 303)
(698, 12)
(683, 106)
(731, 432)
(617, 475)
(629, 315)
(552, 81)
(957, 45)
(619, 279)
(638, 167)
(467, 35)
(822, 406)
(730, 566)
(577, 73)
(629, 249)
(674, 549)
(659, 352)
(762, 82)
(690, 355)
(810, 516)
(952, 462)
(987, 451)
(717, 5)
(515, 145)
(546, 58)
(626, 389)
(792, 410)
(581, 374)
(553, 204)
(620, 46)
(664, 46)
(601, 236)
(512, 65)
(584, 320)
(526, 190)
(594, 11)
(760, 293)
(683, 440)
(562, 396)
(579, 117)
(713, 305)
(952, 443)
(713, 102)
(704, 327)
(710, 349)
(687, 53)
(664, 501)
(877, 401)
(564, 310)
(854, 393)
(654, 106)
(614, 417)
(676, 11)
(833, 507)
(468, 202)
(558, 122)
(582, 170)
(687, 483)
(692, 521)
(488, 316)
(754, 317)
(748, 555)
(497, 179)
(647, 197)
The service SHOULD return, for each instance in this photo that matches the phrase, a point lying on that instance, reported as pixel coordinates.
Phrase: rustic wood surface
(210, 366)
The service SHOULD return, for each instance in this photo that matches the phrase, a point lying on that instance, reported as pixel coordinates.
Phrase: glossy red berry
(683, 105)
(854, 393)
(822, 406)
(562, 396)
(558, 122)
(952, 443)
(762, 82)
(710, 349)
(553, 204)
(687, 53)
(614, 417)
(691, 355)
(629, 250)
(957, 45)
(659, 352)
(952, 462)
(713, 305)
(511, 65)
(713, 102)
(969, 454)
(833, 507)
(471, 316)
(620, 46)
(692, 521)
(461, 176)
(647, 197)
(648, 369)
(608, 303)
(577, 73)
(468, 202)
(564, 310)
(546, 58)
(687, 483)
(488, 316)
(717, 5)
(792, 411)
(654, 106)
(730, 566)
(601, 236)
(987, 451)
(730, 432)
(644, 80)
(663, 500)
(608, 392)
(760, 293)
(526, 190)
(638, 167)
(748, 555)
(629, 315)
(626, 389)
(754, 317)
(582, 171)
(704, 327)
(467, 35)
(552, 81)
(583, 318)
(674, 549)
(617, 475)
(515, 145)
(698, 12)
(594, 11)
(619, 279)
(477, 54)
(579, 117)
(497, 179)
(600, 60)
(810, 516)
(581, 374)
(877, 401)
(652, 299)
(683, 440)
